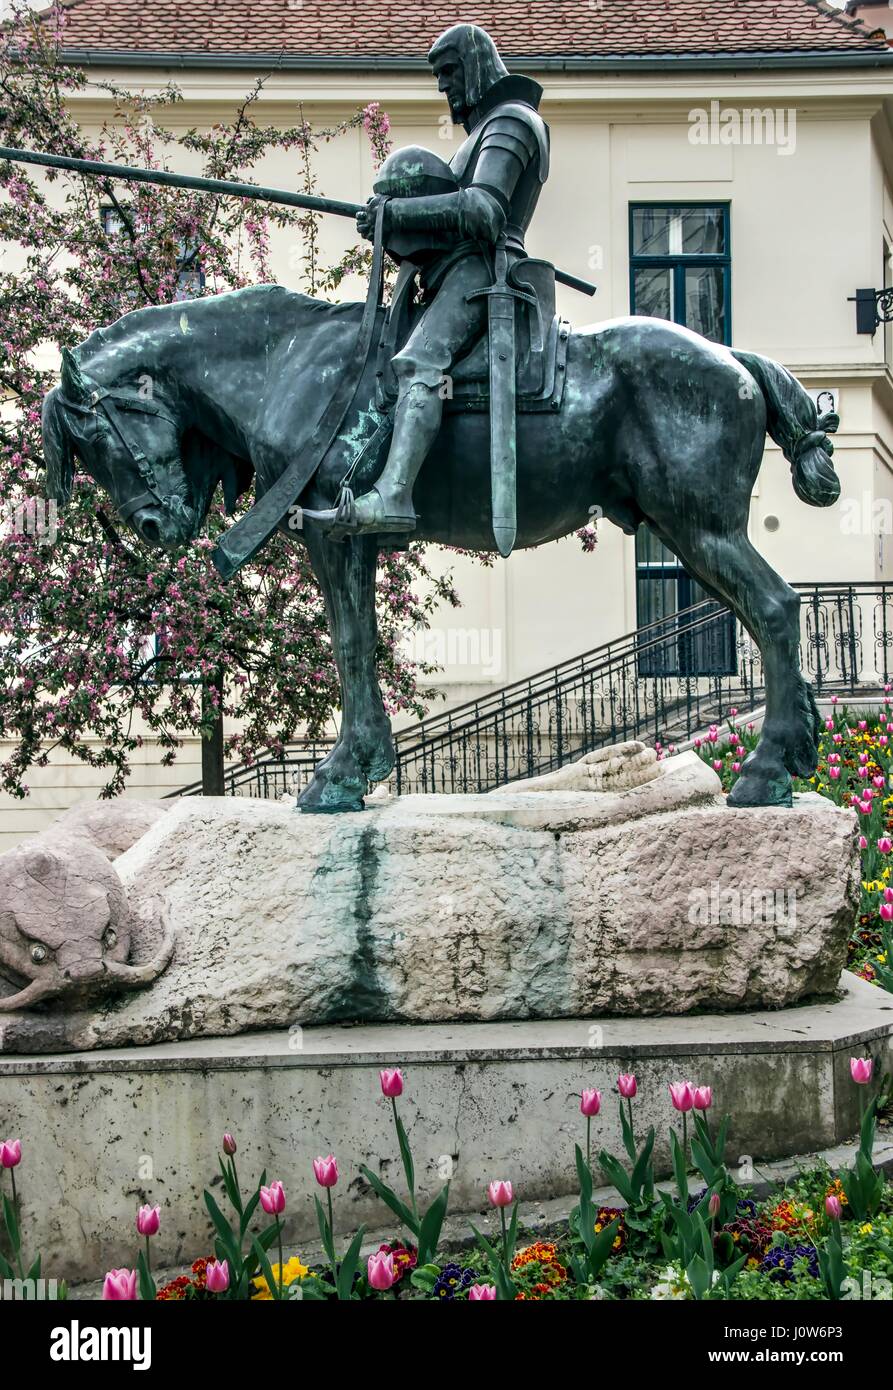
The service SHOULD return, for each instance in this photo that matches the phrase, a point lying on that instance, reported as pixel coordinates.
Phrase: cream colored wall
(806, 232)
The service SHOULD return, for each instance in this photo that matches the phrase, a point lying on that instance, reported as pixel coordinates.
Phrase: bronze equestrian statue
(639, 417)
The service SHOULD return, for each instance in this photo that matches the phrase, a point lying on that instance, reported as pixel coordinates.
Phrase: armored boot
(387, 507)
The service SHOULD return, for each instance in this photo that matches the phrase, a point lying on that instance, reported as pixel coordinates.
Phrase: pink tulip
(119, 1284)
(863, 758)
(829, 724)
(837, 738)
(887, 912)
(229, 1145)
(590, 1104)
(885, 844)
(272, 1199)
(703, 1097)
(697, 744)
(481, 1293)
(325, 1170)
(682, 1096)
(833, 1207)
(391, 1084)
(147, 1220)
(217, 1276)
(380, 1269)
(863, 772)
(835, 700)
(714, 1204)
(863, 843)
(861, 1069)
(888, 895)
(717, 764)
(863, 725)
(500, 1193)
(626, 1085)
(11, 1153)
(878, 782)
(834, 773)
(736, 767)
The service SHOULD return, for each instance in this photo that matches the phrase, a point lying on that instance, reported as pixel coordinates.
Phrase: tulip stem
(148, 1257)
(232, 1164)
(410, 1184)
(279, 1240)
(588, 1131)
(18, 1216)
(505, 1240)
(331, 1220)
(685, 1138)
(629, 1105)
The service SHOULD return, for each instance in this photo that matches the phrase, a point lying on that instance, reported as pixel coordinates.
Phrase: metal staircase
(666, 681)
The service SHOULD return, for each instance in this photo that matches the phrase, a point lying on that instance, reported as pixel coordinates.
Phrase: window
(681, 269)
(191, 276)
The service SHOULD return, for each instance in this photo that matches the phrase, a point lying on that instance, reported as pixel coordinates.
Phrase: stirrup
(346, 523)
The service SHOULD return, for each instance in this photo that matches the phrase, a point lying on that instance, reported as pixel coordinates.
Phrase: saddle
(541, 342)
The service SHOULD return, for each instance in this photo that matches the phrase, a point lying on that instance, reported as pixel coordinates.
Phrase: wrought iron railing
(648, 685)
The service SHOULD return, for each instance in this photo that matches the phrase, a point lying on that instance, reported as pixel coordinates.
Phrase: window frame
(687, 649)
(680, 261)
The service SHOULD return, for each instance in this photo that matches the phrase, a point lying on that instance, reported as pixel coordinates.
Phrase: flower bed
(820, 1238)
(855, 766)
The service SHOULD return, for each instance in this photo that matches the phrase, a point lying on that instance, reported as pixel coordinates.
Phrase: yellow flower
(866, 1229)
(291, 1271)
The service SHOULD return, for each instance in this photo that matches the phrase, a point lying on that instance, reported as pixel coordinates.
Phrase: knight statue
(457, 229)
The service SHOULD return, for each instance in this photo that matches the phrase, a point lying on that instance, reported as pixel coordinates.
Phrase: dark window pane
(653, 290)
(705, 302)
(703, 232)
(651, 231)
(651, 551)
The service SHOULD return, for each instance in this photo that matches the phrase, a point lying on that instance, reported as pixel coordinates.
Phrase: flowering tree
(94, 630)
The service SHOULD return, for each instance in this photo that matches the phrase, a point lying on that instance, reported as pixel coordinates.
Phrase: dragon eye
(110, 938)
(39, 954)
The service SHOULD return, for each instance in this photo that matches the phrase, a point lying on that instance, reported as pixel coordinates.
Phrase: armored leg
(447, 329)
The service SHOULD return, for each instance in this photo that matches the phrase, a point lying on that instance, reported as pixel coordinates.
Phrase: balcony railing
(633, 687)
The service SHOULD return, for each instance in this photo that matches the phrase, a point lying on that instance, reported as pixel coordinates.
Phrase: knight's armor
(445, 223)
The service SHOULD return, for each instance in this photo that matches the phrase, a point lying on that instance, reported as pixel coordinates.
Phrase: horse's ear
(57, 450)
(74, 383)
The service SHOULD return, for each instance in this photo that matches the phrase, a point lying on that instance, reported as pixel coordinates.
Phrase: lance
(127, 173)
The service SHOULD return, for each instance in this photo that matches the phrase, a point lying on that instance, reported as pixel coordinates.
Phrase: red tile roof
(359, 29)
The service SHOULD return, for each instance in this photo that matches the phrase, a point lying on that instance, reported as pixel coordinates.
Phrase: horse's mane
(278, 302)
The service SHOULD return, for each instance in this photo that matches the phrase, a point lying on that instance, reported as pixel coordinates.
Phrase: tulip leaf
(431, 1226)
(599, 1251)
(642, 1180)
(224, 1231)
(405, 1152)
(34, 1271)
(390, 1199)
(6, 1270)
(629, 1138)
(266, 1268)
(348, 1267)
(679, 1168)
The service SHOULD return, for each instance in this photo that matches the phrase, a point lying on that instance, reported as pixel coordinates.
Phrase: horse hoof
(326, 797)
(761, 789)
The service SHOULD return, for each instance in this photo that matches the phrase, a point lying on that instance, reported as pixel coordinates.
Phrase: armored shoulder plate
(510, 125)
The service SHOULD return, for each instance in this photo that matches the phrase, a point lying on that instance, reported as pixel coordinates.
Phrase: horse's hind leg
(364, 752)
(730, 567)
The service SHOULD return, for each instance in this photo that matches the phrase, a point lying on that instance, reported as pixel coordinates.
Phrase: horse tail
(797, 428)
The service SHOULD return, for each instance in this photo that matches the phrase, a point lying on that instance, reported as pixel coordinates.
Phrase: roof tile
(521, 28)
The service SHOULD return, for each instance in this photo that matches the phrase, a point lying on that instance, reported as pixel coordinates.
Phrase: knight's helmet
(414, 172)
(477, 53)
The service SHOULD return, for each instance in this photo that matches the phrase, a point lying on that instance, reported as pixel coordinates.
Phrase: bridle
(100, 400)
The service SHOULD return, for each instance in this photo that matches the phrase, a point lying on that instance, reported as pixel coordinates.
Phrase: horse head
(138, 442)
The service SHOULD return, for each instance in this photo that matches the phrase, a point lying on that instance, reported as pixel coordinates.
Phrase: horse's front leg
(364, 752)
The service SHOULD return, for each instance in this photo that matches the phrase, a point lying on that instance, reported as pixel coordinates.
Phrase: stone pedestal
(103, 1132)
(652, 900)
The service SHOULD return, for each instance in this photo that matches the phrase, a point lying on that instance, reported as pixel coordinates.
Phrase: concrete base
(103, 1132)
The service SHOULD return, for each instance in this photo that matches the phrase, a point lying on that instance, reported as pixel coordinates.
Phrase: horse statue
(655, 425)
